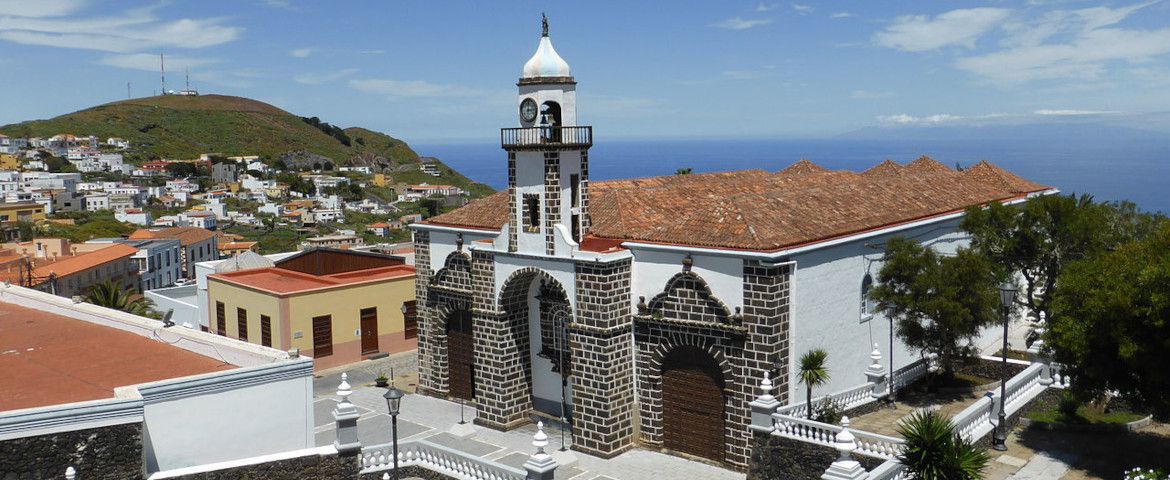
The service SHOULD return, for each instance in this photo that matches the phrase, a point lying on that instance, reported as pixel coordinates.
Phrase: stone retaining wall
(106, 453)
(774, 457)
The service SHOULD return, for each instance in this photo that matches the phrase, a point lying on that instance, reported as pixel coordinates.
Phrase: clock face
(528, 110)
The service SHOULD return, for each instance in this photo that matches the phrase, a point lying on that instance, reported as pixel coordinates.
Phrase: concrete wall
(345, 305)
(255, 303)
(227, 415)
(826, 305)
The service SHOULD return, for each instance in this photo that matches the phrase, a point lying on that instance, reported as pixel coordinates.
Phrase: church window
(531, 212)
(868, 305)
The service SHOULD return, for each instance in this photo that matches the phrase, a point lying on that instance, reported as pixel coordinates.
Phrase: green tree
(935, 452)
(27, 230)
(813, 373)
(1112, 322)
(939, 302)
(1038, 238)
(111, 295)
(683, 171)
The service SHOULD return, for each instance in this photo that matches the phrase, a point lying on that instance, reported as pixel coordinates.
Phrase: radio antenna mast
(162, 65)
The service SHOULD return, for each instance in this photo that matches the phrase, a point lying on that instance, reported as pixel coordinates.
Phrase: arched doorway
(460, 354)
(537, 309)
(692, 403)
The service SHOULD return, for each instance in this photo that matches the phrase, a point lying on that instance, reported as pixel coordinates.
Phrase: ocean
(1138, 171)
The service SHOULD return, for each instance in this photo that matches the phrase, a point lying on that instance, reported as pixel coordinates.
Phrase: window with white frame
(868, 305)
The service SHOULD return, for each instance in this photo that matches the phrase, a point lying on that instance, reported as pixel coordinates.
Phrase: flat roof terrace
(48, 359)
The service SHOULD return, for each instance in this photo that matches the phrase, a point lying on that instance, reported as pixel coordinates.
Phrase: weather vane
(544, 24)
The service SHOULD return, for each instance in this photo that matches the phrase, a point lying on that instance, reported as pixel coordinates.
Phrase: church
(645, 311)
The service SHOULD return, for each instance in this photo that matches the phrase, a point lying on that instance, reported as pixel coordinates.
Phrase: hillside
(184, 127)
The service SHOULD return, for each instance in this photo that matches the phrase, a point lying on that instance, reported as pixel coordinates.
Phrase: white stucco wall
(826, 306)
(546, 384)
(212, 418)
(652, 269)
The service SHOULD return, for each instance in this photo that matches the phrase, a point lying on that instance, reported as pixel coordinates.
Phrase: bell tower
(548, 163)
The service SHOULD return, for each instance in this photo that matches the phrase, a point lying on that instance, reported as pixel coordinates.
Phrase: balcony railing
(540, 137)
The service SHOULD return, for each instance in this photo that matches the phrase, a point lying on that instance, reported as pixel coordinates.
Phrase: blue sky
(445, 71)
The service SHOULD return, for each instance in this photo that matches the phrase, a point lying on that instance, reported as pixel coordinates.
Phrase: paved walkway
(430, 418)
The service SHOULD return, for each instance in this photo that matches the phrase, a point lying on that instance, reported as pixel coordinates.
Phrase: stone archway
(693, 399)
(537, 309)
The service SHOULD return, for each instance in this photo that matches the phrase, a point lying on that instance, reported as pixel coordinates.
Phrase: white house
(136, 216)
(118, 143)
(97, 201)
(198, 219)
(649, 308)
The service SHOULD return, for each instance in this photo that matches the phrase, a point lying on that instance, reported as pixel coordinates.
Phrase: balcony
(537, 138)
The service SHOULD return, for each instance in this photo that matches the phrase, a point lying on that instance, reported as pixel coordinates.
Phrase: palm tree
(935, 452)
(110, 294)
(813, 373)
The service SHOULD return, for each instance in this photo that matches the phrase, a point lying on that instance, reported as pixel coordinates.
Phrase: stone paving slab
(474, 447)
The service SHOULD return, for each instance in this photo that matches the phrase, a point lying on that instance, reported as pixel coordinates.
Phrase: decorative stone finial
(844, 440)
(459, 242)
(70, 473)
(540, 440)
(543, 25)
(343, 389)
(642, 305)
(688, 262)
(385, 476)
(766, 388)
(875, 355)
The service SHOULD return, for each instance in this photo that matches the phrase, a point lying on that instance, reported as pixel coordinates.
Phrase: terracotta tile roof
(281, 281)
(185, 235)
(235, 245)
(51, 359)
(758, 210)
(79, 263)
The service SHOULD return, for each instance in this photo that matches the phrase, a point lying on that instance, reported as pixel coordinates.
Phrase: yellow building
(9, 162)
(335, 306)
(22, 211)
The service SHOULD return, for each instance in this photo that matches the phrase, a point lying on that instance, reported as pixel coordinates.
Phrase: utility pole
(128, 90)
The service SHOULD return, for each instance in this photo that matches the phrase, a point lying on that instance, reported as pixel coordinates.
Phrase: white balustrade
(890, 470)
(811, 431)
(975, 420)
(878, 446)
(436, 458)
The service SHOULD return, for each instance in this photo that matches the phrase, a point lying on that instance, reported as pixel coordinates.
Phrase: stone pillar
(540, 466)
(602, 369)
(763, 407)
(503, 387)
(428, 335)
(1036, 352)
(346, 416)
(845, 467)
(765, 315)
(876, 374)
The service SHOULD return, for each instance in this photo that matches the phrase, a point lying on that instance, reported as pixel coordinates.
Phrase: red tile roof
(50, 359)
(185, 235)
(281, 281)
(80, 263)
(758, 210)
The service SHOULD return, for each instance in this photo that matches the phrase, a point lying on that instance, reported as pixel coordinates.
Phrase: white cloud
(411, 88)
(1073, 113)
(320, 78)
(281, 4)
(741, 24)
(802, 9)
(40, 8)
(904, 119)
(150, 62)
(841, 15)
(301, 52)
(134, 31)
(764, 7)
(870, 95)
(1085, 51)
(372, 52)
(918, 33)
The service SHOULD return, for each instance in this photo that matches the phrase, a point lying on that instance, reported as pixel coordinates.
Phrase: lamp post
(893, 401)
(393, 398)
(1007, 295)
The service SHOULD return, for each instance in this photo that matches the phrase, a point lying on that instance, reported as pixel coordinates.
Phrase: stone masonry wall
(603, 377)
(552, 199)
(310, 467)
(106, 453)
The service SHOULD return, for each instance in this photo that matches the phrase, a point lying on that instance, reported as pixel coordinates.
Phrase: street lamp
(1007, 296)
(393, 398)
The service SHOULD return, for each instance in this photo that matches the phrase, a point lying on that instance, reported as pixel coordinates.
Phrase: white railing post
(540, 466)
(70, 473)
(346, 417)
(763, 407)
(1036, 351)
(876, 374)
(845, 467)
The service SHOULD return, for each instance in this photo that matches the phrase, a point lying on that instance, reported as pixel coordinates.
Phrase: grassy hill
(184, 127)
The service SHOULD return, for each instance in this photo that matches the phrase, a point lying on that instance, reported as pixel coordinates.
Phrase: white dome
(545, 62)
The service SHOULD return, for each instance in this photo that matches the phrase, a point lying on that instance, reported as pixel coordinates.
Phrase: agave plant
(813, 372)
(110, 294)
(935, 452)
